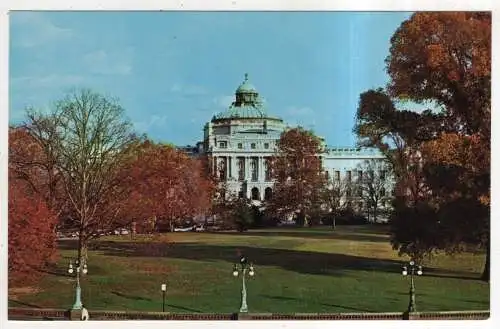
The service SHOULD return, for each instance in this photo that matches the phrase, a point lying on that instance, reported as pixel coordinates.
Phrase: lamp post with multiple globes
(77, 268)
(244, 266)
(412, 269)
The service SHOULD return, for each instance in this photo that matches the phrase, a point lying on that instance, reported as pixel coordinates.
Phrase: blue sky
(172, 71)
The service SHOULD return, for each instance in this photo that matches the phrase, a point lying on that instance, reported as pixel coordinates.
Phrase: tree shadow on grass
(347, 307)
(299, 261)
(305, 262)
(56, 272)
(139, 298)
(278, 297)
(183, 308)
(284, 298)
(440, 273)
(119, 294)
(351, 236)
(16, 302)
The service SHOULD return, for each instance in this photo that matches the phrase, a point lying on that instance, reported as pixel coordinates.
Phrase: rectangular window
(326, 174)
(348, 175)
(252, 146)
(241, 169)
(254, 167)
(267, 164)
(337, 175)
(223, 145)
(240, 145)
(266, 145)
(360, 175)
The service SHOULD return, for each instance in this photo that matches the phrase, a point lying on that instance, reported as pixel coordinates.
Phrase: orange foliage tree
(444, 58)
(32, 218)
(28, 161)
(167, 184)
(32, 239)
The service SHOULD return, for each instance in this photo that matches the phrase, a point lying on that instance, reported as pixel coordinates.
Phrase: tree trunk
(82, 248)
(333, 223)
(486, 271)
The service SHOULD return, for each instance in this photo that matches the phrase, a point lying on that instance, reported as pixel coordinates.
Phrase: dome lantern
(246, 92)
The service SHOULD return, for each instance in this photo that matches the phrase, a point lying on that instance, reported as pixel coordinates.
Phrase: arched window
(255, 194)
(268, 193)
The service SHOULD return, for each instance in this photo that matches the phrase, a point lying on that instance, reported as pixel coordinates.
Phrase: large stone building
(241, 140)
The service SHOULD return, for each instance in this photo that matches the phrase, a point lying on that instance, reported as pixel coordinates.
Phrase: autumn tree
(297, 172)
(443, 58)
(33, 162)
(446, 58)
(84, 138)
(166, 184)
(31, 237)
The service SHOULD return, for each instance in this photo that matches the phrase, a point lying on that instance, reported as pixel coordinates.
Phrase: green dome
(246, 87)
(248, 105)
(241, 112)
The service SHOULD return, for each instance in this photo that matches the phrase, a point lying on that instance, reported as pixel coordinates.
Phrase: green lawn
(352, 269)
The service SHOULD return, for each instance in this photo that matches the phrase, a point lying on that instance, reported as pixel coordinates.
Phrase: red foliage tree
(444, 58)
(32, 221)
(29, 162)
(165, 183)
(297, 171)
(32, 240)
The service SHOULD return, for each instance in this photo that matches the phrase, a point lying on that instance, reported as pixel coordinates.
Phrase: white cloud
(116, 62)
(154, 121)
(34, 28)
(46, 81)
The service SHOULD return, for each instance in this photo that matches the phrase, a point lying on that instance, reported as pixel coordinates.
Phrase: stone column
(261, 169)
(216, 171)
(226, 168)
(247, 168)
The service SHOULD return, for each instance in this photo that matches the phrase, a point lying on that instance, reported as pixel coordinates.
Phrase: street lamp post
(244, 267)
(163, 291)
(78, 299)
(412, 269)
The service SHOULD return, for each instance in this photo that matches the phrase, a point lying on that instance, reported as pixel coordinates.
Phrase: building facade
(242, 139)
